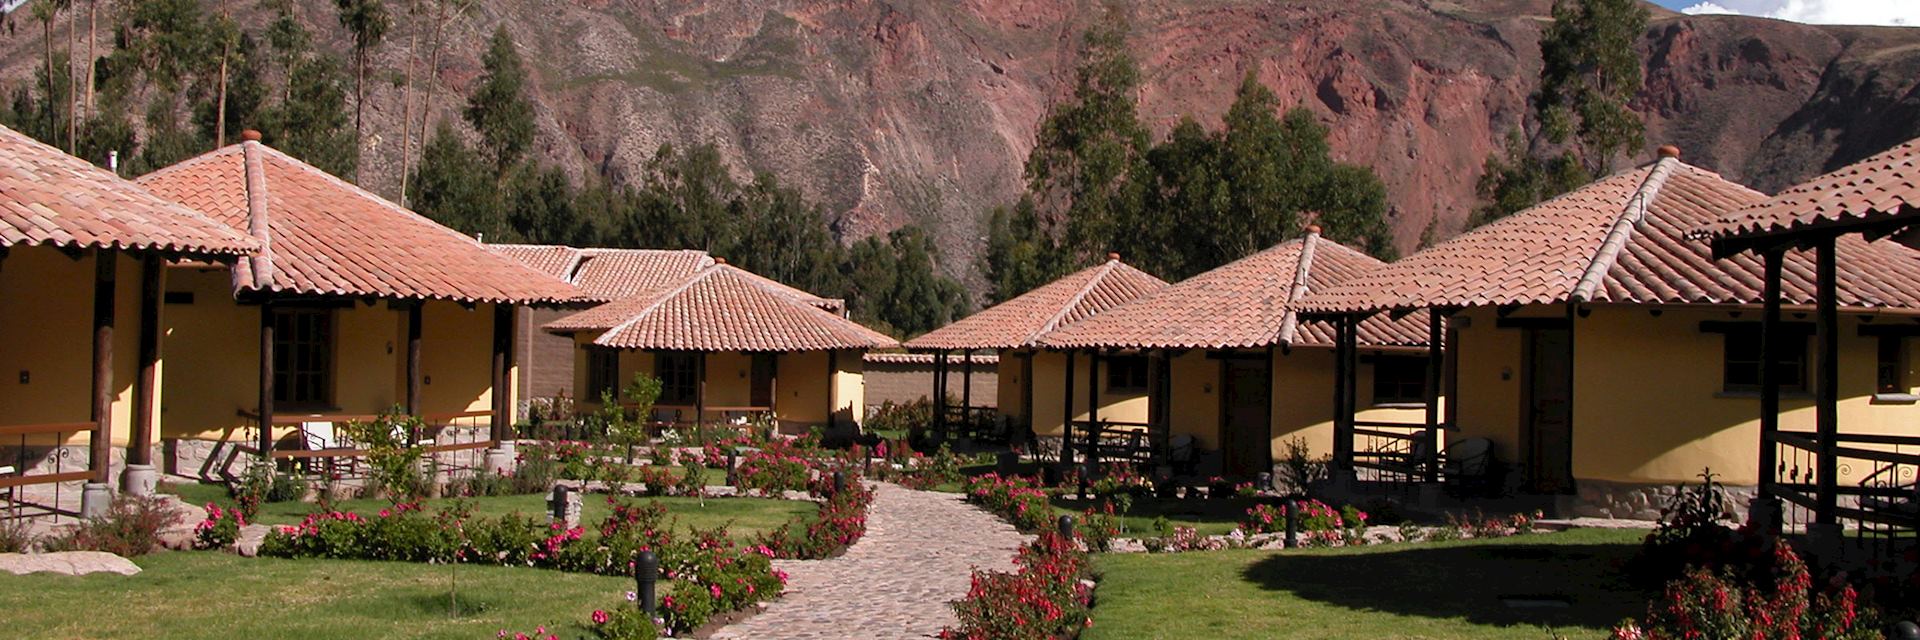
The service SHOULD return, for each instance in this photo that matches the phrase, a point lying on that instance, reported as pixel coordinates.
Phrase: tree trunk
(220, 109)
(73, 83)
(359, 106)
(53, 108)
(406, 105)
(433, 68)
(93, 26)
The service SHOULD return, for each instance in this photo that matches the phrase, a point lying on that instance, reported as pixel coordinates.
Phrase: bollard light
(839, 482)
(1906, 630)
(1066, 527)
(646, 572)
(733, 476)
(1291, 512)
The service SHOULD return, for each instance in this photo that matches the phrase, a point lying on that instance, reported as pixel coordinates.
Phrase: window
(603, 373)
(1890, 372)
(679, 377)
(303, 357)
(1742, 368)
(1126, 374)
(1399, 379)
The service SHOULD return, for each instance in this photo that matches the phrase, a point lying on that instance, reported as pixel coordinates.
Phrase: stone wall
(1626, 501)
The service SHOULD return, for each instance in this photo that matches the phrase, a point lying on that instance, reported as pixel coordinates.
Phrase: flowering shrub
(1480, 525)
(624, 623)
(1043, 599)
(1319, 523)
(1691, 533)
(1725, 604)
(713, 575)
(539, 633)
(773, 470)
(220, 529)
(1122, 480)
(1016, 499)
(841, 521)
(1099, 526)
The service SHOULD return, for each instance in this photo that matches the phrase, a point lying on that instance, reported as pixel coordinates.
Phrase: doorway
(1547, 410)
(1245, 418)
(763, 370)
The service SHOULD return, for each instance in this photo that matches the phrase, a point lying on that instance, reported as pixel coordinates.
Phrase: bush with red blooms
(1726, 603)
(1019, 500)
(1319, 523)
(220, 529)
(781, 466)
(841, 521)
(1041, 600)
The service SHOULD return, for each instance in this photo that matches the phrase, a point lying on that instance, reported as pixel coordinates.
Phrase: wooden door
(1244, 419)
(1548, 410)
(763, 373)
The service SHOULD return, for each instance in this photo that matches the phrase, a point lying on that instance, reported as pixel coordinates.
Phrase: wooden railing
(1115, 442)
(54, 437)
(449, 456)
(1393, 452)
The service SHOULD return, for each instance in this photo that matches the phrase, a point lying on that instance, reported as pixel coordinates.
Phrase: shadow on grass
(1471, 581)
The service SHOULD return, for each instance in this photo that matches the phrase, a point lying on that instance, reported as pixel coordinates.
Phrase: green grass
(204, 594)
(1431, 590)
(1209, 517)
(742, 516)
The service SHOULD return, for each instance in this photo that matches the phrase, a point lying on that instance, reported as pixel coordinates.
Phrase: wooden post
(101, 461)
(1155, 404)
(139, 451)
(966, 388)
(414, 313)
(1342, 436)
(502, 418)
(833, 402)
(266, 378)
(940, 394)
(1093, 414)
(1436, 356)
(1827, 394)
(1770, 343)
(700, 395)
(1066, 416)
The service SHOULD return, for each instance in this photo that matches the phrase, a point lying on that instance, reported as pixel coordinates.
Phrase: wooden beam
(414, 313)
(1436, 357)
(266, 378)
(104, 261)
(700, 394)
(1827, 381)
(1532, 323)
(1770, 343)
(502, 419)
(966, 386)
(139, 450)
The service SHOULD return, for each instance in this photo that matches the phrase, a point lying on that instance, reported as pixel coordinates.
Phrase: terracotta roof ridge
(1073, 301)
(1630, 216)
(258, 220)
(1290, 320)
(659, 299)
(337, 181)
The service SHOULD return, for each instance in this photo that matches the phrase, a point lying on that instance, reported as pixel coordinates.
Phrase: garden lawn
(1423, 590)
(205, 594)
(742, 516)
(1209, 517)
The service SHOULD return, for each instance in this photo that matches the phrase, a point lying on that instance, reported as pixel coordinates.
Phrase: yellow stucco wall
(1303, 401)
(1487, 367)
(1049, 379)
(1012, 385)
(213, 345)
(46, 318)
(800, 386)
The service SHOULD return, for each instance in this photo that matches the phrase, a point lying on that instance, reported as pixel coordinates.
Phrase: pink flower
(599, 617)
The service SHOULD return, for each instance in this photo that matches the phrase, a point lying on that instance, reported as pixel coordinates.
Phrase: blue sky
(1878, 12)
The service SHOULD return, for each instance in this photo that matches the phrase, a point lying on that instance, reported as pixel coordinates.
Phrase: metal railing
(1115, 442)
(1884, 499)
(30, 468)
(452, 442)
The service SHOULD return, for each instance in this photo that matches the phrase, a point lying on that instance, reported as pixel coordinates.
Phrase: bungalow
(1014, 330)
(70, 235)
(353, 306)
(1608, 358)
(1235, 375)
(726, 343)
(1851, 467)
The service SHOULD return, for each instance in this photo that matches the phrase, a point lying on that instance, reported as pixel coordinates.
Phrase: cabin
(1608, 358)
(83, 264)
(353, 306)
(1037, 390)
(1847, 468)
(1235, 378)
(727, 346)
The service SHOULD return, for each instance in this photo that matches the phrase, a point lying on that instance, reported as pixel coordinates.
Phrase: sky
(1904, 13)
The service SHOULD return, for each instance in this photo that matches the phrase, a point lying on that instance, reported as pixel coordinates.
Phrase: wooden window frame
(1126, 374)
(674, 390)
(603, 374)
(1890, 365)
(305, 387)
(1740, 350)
(1407, 383)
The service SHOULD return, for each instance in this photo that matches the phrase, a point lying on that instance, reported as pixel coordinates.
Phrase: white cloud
(1901, 13)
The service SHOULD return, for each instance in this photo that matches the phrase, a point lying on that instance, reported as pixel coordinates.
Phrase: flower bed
(1018, 500)
(1319, 524)
(1043, 599)
(1776, 599)
(777, 468)
(842, 520)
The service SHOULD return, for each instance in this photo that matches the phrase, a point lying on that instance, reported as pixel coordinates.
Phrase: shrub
(908, 417)
(1016, 499)
(484, 484)
(1178, 539)
(131, 527)
(287, 487)
(251, 490)
(841, 521)
(220, 529)
(712, 575)
(1302, 469)
(536, 467)
(1099, 526)
(1691, 534)
(393, 458)
(773, 470)
(1705, 603)
(1043, 599)
(1319, 523)
(624, 623)
(16, 536)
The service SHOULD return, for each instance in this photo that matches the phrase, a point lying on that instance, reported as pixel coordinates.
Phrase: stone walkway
(894, 583)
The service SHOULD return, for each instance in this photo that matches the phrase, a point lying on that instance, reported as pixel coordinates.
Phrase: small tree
(627, 423)
(392, 453)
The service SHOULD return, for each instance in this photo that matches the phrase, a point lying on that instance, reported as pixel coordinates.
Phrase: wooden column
(1827, 381)
(1342, 431)
(833, 403)
(414, 313)
(1155, 404)
(1066, 416)
(700, 394)
(940, 394)
(99, 445)
(1770, 343)
(966, 388)
(502, 418)
(1092, 436)
(139, 451)
(1436, 357)
(266, 378)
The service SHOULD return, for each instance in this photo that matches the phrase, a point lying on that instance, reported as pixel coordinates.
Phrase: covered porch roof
(720, 308)
(1026, 319)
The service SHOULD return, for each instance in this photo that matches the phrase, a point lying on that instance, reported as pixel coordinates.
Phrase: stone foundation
(1632, 501)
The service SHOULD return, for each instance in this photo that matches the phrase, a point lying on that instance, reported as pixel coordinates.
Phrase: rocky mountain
(922, 110)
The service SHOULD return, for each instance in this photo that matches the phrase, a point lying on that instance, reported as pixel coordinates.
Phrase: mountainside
(923, 110)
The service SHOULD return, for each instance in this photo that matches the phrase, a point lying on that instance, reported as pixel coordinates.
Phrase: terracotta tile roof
(614, 274)
(555, 260)
(1243, 304)
(979, 359)
(50, 198)
(1022, 321)
(1600, 243)
(721, 308)
(324, 236)
(1881, 188)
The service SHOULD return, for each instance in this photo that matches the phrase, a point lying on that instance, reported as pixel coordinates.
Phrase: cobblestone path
(896, 581)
